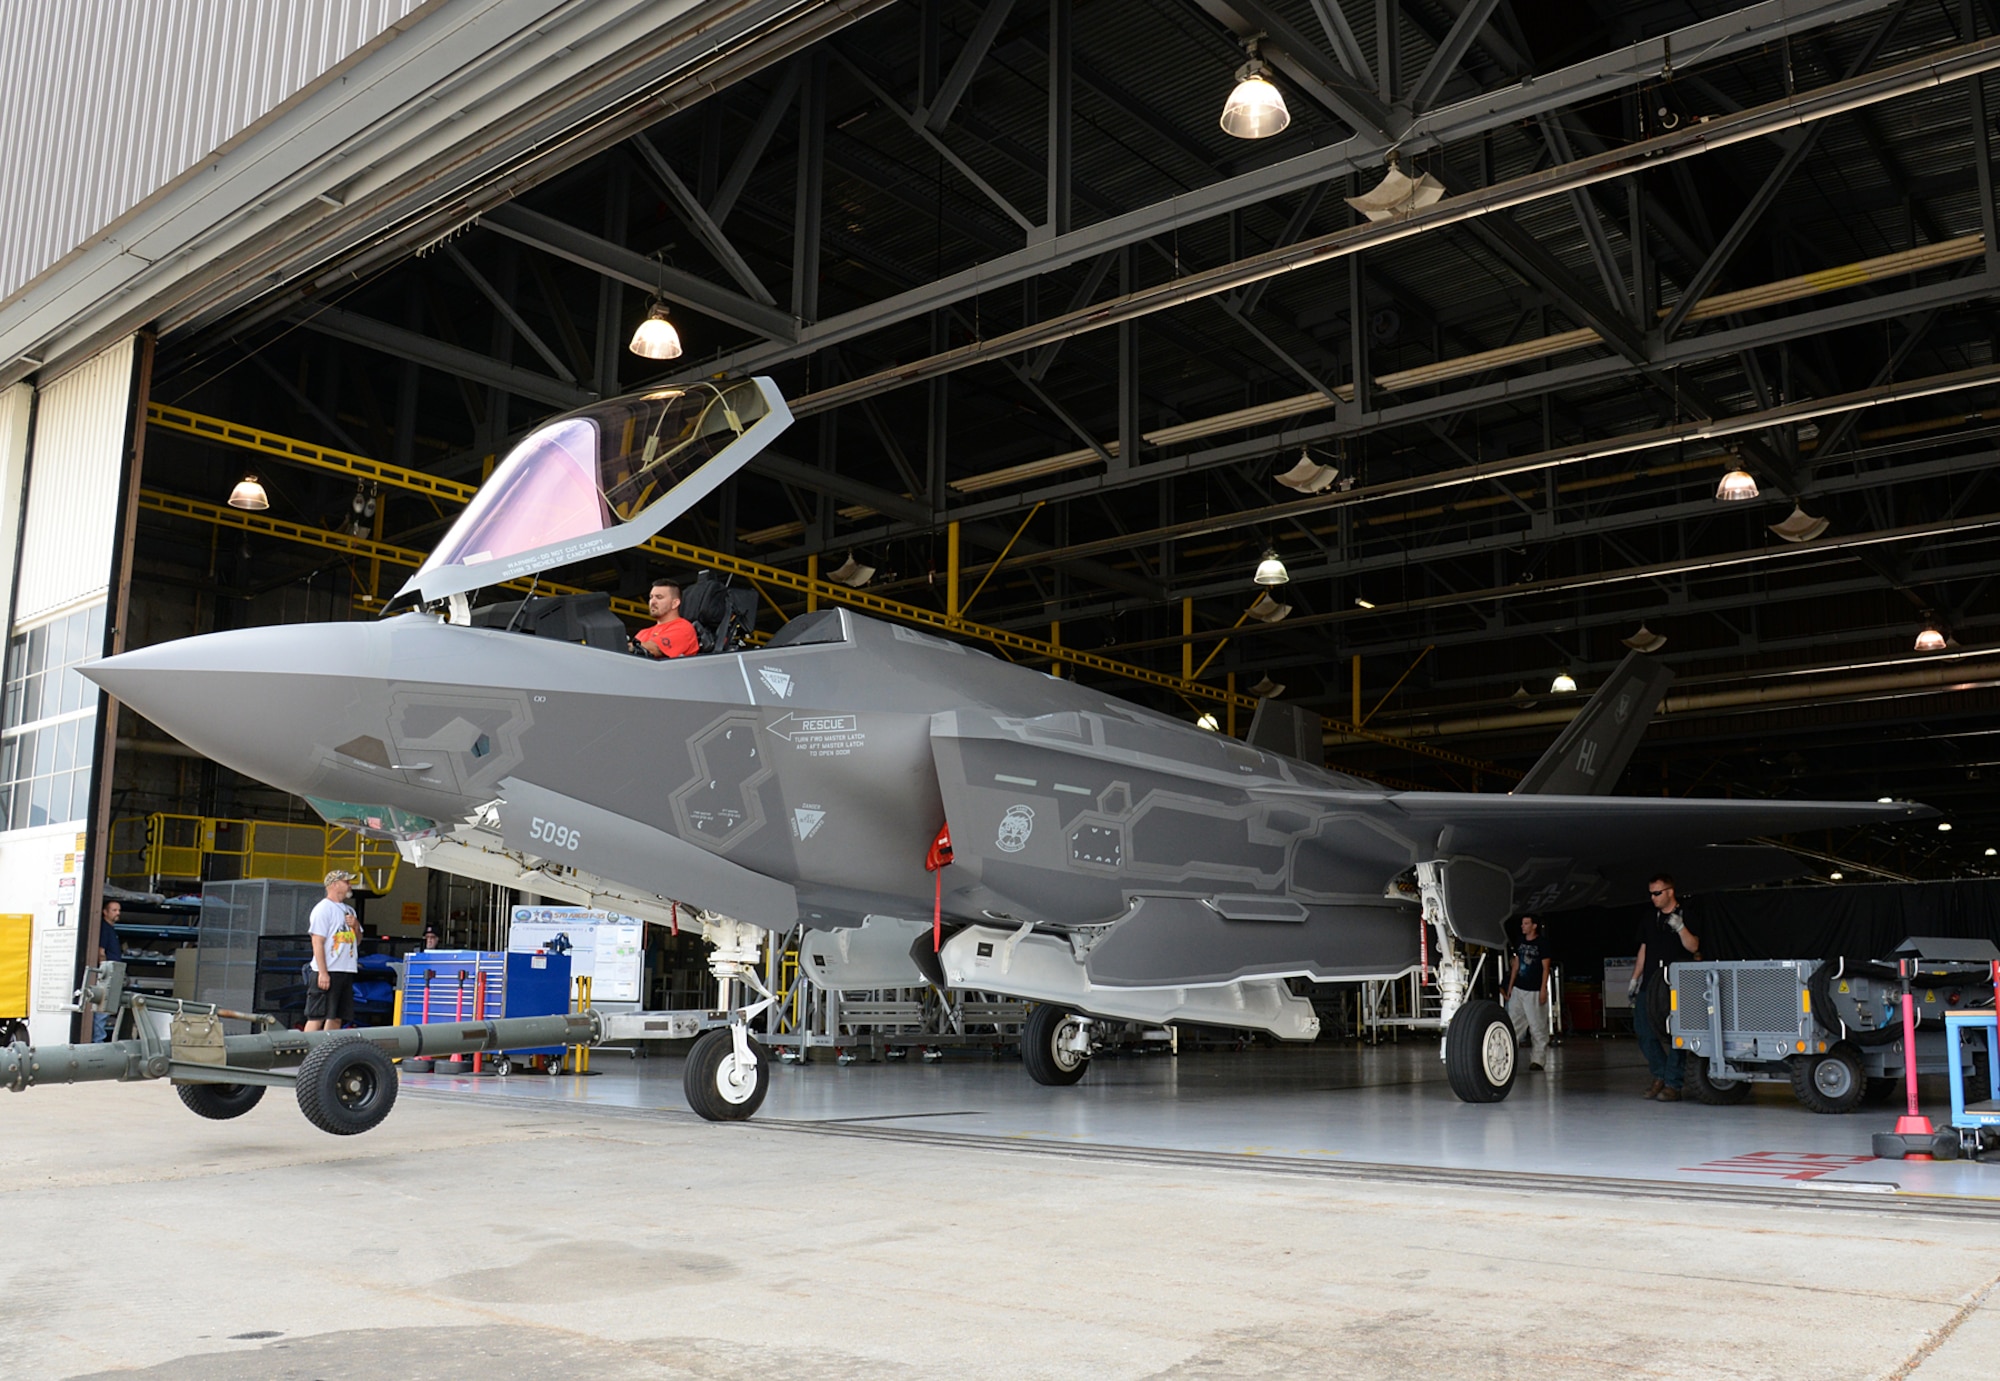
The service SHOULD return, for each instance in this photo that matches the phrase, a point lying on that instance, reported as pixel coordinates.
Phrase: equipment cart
(450, 985)
(1831, 1028)
(1978, 1119)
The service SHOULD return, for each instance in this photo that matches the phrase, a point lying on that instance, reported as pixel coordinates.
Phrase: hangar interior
(1072, 366)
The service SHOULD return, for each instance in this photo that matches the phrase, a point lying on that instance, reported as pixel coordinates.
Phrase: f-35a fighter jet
(1106, 862)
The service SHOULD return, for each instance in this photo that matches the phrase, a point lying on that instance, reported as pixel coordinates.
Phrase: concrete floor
(1329, 1105)
(526, 1229)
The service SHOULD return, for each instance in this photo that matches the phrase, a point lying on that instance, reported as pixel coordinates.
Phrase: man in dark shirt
(1665, 939)
(1526, 993)
(672, 636)
(108, 951)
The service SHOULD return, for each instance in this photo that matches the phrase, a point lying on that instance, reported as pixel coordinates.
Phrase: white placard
(55, 968)
(608, 948)
(1617, 975)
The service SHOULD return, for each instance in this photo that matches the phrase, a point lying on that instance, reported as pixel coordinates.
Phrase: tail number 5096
(549, 832)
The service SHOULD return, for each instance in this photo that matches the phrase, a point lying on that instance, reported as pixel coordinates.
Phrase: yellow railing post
(951, 571)
(1187, 631)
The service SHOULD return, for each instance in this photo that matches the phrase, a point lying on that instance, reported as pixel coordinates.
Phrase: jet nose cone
(259, 700)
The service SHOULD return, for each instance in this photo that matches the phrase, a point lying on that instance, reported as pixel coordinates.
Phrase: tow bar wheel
(220, 1101)
(346, 1087)
(1481, 1052)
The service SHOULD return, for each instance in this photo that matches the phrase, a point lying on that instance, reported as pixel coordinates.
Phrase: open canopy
(600, 479)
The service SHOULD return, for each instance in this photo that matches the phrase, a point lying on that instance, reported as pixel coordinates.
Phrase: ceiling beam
(1715, 39)
(454, 360)
(599, 255)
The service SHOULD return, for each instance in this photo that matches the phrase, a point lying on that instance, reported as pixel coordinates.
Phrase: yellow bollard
(579, 1055)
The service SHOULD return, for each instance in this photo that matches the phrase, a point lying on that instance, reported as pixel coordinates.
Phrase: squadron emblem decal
(1015, 827)
(779, 682)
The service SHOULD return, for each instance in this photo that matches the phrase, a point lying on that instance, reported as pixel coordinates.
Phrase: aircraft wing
(1564, 851)
(1509, 830)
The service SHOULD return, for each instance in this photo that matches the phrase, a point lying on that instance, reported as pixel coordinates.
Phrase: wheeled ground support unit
(1829, 1028)
(345, 1081)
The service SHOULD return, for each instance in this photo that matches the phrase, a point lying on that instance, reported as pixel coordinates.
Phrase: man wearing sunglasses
(1665, 936)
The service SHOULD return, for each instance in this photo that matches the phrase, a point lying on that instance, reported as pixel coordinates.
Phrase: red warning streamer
(936, 860)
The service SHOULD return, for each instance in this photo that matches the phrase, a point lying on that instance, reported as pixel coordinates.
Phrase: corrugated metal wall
(103, 102)
(70, 525)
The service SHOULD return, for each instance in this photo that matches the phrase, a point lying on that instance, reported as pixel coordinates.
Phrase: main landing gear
(727, 1072)
(1056, 1044)
(1480, 1050)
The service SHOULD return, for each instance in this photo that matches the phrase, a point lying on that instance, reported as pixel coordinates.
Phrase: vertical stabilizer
(1291, 730)
(1590, 754)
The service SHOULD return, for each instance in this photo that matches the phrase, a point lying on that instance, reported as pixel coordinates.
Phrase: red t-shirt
(672, 637)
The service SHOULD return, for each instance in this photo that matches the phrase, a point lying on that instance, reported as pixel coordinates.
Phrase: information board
(608, 948)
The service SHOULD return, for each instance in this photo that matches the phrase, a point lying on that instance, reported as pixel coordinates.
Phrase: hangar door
(63, 460)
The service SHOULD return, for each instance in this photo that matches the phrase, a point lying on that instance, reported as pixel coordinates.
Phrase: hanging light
(656, 338)
(1270, 570)
(1944, 827)
(1836, 877)
(1361, 603)
(1932, 638)
(1737, 486)
(1564, 684)
(249, 494)
(1885, 800)
(1210, 723)
(1255, 109)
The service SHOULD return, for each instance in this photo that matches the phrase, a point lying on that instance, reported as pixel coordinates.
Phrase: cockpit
(603, 478)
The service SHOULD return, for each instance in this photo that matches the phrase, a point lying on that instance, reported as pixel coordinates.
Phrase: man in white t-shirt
(336, 957)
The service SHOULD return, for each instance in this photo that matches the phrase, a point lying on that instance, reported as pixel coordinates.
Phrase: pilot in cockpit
(672, 635)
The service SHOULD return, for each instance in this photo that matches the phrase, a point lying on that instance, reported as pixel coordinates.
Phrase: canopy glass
(602, 478)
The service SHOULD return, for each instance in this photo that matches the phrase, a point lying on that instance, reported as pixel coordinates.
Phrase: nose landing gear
(728, 1073)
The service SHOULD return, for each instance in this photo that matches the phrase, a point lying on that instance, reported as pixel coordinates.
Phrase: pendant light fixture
(249, 494)
(1256, 108)
(656, 338)
(1210, 723)
(1564, 684)
(1738, 486)
(1270, 570)
(1932, 638)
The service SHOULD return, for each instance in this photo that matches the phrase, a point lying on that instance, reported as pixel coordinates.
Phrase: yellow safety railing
(168, 846)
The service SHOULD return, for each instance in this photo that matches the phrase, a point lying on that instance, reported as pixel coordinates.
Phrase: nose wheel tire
(1045, 1046)
(346, 1087)
(220, 1101)
(717, 1087)
(1481, 1052)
